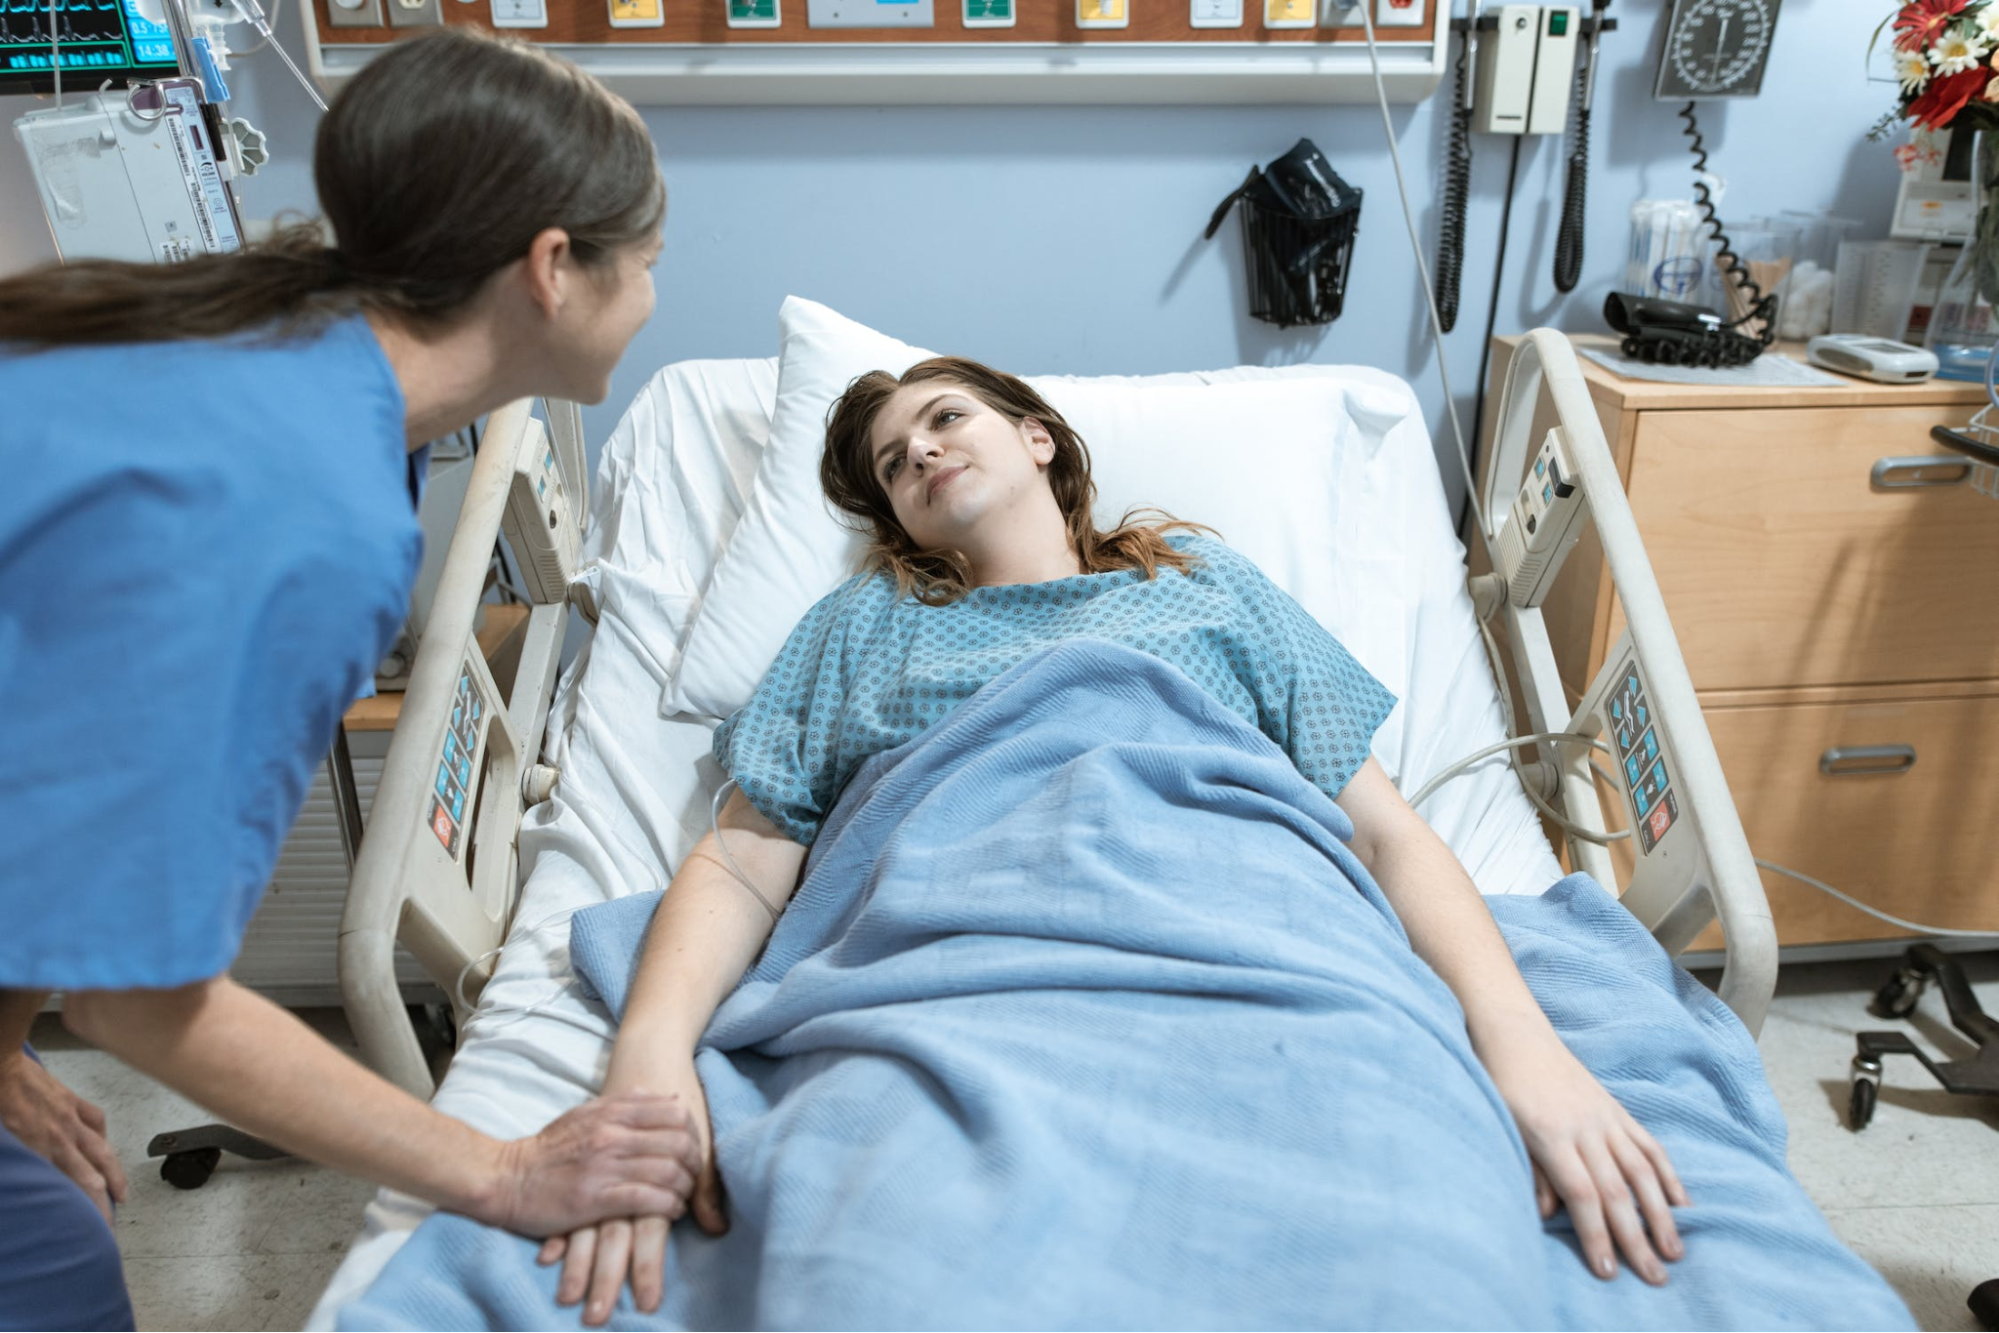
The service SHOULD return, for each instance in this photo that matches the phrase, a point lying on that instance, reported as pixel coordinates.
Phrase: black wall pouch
(1299, 221)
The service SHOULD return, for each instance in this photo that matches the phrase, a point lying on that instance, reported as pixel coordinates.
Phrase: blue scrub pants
(59, 1266)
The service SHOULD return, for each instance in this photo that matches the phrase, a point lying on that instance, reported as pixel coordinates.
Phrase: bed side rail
(1692, 860)
(436, 869)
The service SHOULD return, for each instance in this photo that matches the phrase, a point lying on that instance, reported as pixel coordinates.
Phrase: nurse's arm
(46, 1116)
(262, 1070)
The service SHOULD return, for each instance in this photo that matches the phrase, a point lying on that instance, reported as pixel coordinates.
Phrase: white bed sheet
(636, 787)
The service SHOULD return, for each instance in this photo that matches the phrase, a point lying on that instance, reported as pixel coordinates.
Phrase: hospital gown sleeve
(1312, 698)
(782, 747)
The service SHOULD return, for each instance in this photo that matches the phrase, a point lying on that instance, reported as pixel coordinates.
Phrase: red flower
(1945, 97)
(1921, 22)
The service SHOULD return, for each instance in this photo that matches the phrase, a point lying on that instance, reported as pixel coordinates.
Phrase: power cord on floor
(1875, 912)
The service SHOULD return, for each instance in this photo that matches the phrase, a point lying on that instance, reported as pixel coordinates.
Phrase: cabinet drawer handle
(1911, 473)
(1858, 761)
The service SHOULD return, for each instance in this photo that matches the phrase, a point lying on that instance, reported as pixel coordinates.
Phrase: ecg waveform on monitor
(91, 34)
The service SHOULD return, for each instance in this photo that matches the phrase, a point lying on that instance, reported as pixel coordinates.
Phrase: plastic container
(1805, 304)
(1669, 254)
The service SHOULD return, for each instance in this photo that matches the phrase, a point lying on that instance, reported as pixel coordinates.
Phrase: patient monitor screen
(97, 39)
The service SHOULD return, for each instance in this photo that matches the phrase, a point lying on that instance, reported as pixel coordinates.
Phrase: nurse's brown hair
(939, 577)
(437, 166)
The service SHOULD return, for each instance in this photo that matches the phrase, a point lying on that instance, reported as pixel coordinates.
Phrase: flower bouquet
(1946, 55)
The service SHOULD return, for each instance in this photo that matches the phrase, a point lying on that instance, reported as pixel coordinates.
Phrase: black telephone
(1673, 333)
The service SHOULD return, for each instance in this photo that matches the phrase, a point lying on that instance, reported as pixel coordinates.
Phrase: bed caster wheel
(1866, 1092)
(1984, 1304)
(1898, 998)
(191, 1169)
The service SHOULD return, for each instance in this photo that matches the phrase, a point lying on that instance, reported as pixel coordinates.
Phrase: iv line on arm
(715, 822)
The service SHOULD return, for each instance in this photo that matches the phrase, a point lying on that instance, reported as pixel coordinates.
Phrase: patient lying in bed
(1122, 986)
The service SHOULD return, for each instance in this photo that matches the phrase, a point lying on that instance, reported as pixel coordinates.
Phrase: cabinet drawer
(1783, 564)
(1892, 802)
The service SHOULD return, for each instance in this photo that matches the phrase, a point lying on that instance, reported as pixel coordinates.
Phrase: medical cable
(1492, 307)
(1575, 193)
(1879, 915)
(1538, 738)
(715, 821)
(1575, 196)
(1510, 722)
(1423, 276)
(1725, 257)
(1457, 193)
(493, 1014)
(253, 14)
(55, 53)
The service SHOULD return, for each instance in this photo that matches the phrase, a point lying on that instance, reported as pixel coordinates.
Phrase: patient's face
(956, 471)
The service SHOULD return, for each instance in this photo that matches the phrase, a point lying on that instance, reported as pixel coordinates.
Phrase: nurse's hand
(61, 1126)
(626, 1155)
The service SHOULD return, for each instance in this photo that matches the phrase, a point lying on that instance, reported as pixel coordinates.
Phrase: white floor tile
(258, 1291)
(1932, 1256)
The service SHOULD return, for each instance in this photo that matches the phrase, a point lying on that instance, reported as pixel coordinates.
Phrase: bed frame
(437, 869)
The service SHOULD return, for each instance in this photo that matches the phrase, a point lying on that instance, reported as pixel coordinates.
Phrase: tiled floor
(1917, 1194)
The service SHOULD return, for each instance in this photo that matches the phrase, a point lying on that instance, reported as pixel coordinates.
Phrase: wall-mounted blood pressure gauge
(1715, 48)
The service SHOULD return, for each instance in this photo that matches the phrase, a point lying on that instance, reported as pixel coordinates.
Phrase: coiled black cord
(1760, 306)
(1575, 201)
(1457, 195)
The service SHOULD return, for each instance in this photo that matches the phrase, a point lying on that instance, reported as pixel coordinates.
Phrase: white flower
(1956, 53)
(1987, 20)
(1913, 71)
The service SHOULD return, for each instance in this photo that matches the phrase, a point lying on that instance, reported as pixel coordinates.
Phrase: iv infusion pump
(137, 176)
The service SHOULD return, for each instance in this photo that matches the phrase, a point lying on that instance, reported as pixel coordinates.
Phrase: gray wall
(1062, 239)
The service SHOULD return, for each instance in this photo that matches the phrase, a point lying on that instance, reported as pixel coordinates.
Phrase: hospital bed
(594, 793)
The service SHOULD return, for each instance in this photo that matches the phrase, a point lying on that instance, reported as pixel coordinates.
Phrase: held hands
(1590, 1155)
(632, 1153)
(61, 1126)
(598, 1260)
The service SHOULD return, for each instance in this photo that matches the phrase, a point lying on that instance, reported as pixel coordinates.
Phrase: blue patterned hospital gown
(867, 670)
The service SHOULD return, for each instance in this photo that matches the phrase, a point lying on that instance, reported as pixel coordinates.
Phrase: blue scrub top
(205, 550)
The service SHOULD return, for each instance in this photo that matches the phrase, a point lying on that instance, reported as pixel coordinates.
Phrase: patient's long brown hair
(939, 578)
(437, 166)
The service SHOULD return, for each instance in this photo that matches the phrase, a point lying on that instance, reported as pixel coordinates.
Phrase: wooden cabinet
(1834, 583)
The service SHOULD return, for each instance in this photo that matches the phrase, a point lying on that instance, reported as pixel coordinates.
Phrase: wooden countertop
(380, 712)
(1630, 395)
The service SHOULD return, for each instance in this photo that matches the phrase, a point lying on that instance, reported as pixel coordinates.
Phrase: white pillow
(1265, 462)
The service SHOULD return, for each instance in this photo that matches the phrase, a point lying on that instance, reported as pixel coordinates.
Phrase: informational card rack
(1051, 52)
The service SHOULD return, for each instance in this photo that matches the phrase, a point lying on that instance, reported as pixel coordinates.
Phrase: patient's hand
(598, 1260)
(1590, 1155)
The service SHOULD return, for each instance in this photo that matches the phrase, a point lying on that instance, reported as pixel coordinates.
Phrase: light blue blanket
(1085, 1016)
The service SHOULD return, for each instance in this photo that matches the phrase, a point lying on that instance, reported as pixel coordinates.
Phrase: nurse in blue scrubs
(207, 542)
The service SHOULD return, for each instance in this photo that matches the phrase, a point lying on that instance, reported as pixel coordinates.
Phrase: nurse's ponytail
(437, 166)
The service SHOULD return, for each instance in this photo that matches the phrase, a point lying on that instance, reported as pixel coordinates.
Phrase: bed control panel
(458, 762)
(1620, 705)
(1648, 784)
(1544, 523)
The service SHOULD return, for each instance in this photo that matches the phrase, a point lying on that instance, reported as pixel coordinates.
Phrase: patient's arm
(706, 933)
(1614, 1178)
